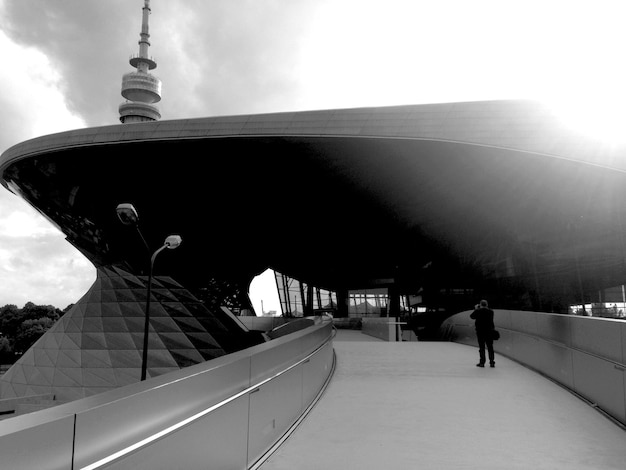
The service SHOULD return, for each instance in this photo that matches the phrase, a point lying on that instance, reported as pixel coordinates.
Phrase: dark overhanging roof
(345, 197)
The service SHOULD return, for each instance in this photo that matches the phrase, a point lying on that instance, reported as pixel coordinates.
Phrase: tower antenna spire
(141, 89)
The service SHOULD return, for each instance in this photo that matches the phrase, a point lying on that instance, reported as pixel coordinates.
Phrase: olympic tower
(141, 89)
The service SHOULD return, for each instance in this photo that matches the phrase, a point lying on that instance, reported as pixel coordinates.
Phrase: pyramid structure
(97, 345)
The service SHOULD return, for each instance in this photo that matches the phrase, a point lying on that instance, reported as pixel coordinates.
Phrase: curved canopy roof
(480, 195)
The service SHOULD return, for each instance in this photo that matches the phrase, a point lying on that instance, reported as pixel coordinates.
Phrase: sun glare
(602, 119)
(565, 53)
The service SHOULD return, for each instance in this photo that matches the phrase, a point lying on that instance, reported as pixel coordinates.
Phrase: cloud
(244, 55)
(43, 269)
(36, 263)
(213, 57)
(80, 40)
(32, 100)
(247, 56)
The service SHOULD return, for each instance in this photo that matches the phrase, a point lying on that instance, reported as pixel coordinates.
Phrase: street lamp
(128, 216)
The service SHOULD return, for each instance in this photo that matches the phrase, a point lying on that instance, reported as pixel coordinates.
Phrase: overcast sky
(62, 63)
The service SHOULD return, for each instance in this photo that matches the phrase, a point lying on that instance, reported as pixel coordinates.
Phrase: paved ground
(426, 405)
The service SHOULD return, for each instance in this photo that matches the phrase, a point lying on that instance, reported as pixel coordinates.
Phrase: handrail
(171, 429)
(569, 354)
(304, 414)
(617, 364)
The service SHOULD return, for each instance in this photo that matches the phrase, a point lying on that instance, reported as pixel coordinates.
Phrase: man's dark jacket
(484, 320)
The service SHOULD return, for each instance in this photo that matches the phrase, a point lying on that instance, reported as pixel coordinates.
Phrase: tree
(10, 320)
(6, 351)
(29, 332)
(30, 311)
(66, 309)
(20, 328)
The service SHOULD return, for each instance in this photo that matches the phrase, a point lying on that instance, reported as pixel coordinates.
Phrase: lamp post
(128, 216)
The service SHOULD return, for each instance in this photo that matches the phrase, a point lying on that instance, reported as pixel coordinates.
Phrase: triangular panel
(97, 345)
(117, 341)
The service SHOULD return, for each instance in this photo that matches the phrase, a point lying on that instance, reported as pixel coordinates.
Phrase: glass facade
(607, 303)
(299, 299)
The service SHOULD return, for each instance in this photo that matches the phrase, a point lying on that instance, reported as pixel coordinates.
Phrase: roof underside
(433, 197)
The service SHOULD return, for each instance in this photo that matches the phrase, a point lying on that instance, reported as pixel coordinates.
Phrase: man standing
(484, 330)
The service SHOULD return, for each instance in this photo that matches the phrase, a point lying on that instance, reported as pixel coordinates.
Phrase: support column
(342, 303)
(394, 301)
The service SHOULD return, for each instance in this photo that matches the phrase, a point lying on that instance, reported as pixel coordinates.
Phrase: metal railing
(216, 412)
(175, 427)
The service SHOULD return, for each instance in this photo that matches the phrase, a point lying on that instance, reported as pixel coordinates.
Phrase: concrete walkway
(426, 405)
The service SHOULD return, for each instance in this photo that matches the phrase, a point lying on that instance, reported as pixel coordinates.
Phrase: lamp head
(127, 214)
(173, 241)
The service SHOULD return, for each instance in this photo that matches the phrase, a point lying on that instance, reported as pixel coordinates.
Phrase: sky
(63, 61)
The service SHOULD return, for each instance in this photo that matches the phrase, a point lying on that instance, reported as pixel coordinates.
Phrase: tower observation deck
(141, 89)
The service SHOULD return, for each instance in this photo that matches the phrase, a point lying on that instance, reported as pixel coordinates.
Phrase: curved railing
(227, 413)
(585, 354)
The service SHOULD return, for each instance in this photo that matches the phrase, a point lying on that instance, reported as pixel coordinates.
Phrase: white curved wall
(585, 354)
(237, 407)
